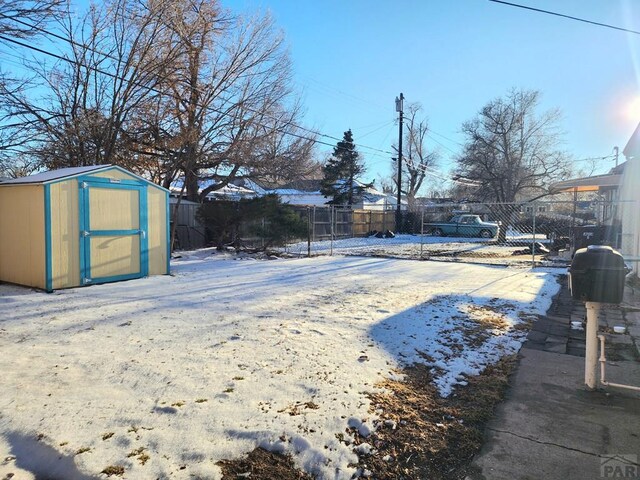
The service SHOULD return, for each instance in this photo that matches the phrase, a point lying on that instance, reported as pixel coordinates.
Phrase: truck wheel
(437, 232)
(486, 234)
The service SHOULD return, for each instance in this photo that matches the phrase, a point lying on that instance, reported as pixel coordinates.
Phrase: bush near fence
(257, 223)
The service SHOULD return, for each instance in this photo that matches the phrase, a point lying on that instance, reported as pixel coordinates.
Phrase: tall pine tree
(340, 182)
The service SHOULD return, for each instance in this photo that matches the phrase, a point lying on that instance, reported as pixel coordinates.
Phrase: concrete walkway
(549, 426)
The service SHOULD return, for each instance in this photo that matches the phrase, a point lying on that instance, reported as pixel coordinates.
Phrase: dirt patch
(419, 434)
(422, 435)
(262, 465)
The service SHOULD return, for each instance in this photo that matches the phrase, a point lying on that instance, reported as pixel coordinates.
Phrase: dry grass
(262, 465)
(422, 435)
(419, 435)
(113, 470)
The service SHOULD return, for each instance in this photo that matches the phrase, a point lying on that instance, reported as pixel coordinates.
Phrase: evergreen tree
(341, 173)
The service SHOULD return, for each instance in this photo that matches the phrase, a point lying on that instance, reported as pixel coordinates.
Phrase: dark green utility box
(597, 275)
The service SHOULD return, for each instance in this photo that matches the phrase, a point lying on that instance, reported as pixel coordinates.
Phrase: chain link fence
(534, 233)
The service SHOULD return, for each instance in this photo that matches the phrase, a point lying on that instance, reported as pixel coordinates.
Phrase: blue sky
(351, 59)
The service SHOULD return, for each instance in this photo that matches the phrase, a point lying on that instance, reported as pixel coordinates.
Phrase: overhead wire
(570, 17)
(372, 150)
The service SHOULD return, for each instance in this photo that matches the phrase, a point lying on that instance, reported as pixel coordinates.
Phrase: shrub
(266, 218)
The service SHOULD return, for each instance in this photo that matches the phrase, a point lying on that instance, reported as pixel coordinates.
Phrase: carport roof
(588, 184)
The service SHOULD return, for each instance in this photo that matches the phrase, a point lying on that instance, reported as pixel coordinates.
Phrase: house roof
(51, 175)
(293, 191)
(302, 185)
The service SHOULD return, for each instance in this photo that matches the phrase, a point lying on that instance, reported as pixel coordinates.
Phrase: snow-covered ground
(426, 246)
(165, 376)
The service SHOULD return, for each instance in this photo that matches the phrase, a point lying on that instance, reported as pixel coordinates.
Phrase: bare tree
(416, 158)
(106, 70)
(168, 89)
(26, 18)
(230, 108)
(511, 152)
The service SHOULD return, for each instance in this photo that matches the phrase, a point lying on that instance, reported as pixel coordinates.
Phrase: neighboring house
(630, 197)
(307, 193)
(228, 192)
(621, 187)
(300, 193)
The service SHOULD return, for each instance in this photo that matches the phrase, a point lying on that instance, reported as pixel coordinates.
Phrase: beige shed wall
(22, 236)
(117, 174)
(65, 235)
(157, 221)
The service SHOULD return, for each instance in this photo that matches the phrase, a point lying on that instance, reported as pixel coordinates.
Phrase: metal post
(533, 243)
(591, 356)
(399, 108)
(309, 232)
(331, 215)
(421, 234)
(573, 219)
(313, 225)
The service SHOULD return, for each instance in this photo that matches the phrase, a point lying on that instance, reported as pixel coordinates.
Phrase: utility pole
(399, 102)
(615, 149)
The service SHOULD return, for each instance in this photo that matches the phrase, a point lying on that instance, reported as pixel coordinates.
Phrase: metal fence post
(533, 243)
(313, 225)
(331, 217)
(421, 233)
(309, 232)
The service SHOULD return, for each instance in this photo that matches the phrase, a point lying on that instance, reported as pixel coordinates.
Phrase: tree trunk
(191, 183)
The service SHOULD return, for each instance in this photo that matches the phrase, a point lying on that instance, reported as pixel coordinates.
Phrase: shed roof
(51, 175)
(63, 173)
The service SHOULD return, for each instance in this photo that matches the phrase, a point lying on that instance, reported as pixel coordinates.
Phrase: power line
(441, 144)
(377, 129)
(525, 7)
(116, 77)
(446, 138)
(91, 49)
(607, 157)
(60, 37)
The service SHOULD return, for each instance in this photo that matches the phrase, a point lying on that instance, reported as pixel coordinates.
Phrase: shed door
(113, 230)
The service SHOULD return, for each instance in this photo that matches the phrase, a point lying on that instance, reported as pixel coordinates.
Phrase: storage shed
(82, 226)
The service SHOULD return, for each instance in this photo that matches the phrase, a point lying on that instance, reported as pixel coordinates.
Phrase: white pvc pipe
(591, 355)
(603, 362)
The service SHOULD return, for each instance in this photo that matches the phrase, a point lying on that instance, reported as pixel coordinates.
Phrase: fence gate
(113, 230)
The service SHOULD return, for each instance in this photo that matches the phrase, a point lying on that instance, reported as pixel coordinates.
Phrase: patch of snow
(421, 246)
(224, 356)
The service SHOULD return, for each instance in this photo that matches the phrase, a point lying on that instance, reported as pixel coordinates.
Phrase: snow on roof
(51, 175)
(253, 186)
(228, 190)
(303, 185)
(291, 191)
